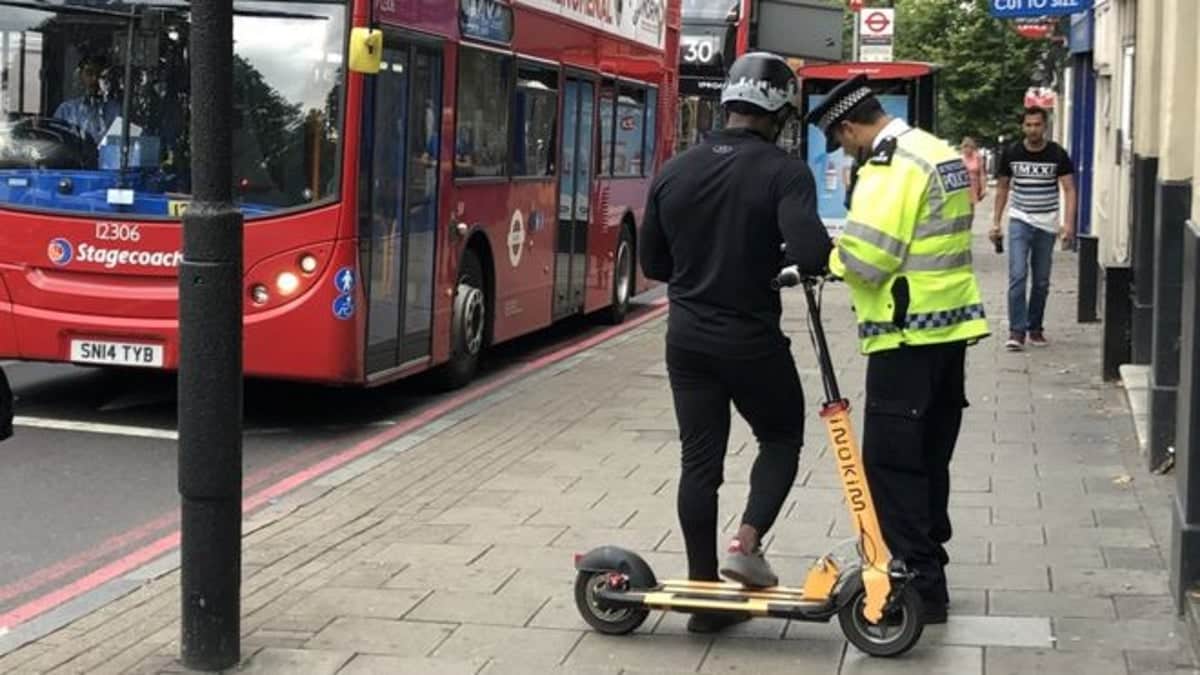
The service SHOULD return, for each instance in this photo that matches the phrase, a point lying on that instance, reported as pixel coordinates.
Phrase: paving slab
(517, 667)
(1144, 606)
(1110, 581)
(1133, 558)
(1052, 604)
(479, 608)
(447, 577)
(372, 664)
(1011, 661)
(308, 661)
(1178, 661)
(1007, 576)
(732, 655)
(1138, 634)
(992, 631)
(1067, 556)
(924, 659)
(335, 601)
(381, 636)
(536, 648)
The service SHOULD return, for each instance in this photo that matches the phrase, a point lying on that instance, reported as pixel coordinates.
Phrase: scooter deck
(687, 596)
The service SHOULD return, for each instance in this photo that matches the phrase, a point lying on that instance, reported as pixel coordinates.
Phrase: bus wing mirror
(366, 50)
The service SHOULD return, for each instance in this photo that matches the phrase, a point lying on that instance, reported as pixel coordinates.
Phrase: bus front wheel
(468, 330)
(623, 282)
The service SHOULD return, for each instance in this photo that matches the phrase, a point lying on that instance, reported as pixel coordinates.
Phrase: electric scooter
(879, 611)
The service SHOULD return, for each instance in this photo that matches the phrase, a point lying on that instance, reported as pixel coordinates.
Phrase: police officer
(906, 257)
(715, 220)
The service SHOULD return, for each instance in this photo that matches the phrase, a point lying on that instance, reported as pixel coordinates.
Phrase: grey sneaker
(748, 568)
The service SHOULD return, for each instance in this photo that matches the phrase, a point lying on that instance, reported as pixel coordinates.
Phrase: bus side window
(482, 138)
(607, 96)
(648, 167)
(535, 121)
(631, 122)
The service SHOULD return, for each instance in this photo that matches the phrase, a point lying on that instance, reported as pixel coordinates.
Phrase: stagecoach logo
(516, 237)
(60, 251)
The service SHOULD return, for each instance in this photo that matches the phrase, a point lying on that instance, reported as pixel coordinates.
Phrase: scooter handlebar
(792, 276)
(787, 277)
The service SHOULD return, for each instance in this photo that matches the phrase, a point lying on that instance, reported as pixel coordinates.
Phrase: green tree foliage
(985, 65)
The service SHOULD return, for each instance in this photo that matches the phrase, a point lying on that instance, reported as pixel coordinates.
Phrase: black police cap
(836, 106)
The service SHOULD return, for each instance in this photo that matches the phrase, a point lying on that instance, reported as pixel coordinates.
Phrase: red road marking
(114, 544)
(166, 544)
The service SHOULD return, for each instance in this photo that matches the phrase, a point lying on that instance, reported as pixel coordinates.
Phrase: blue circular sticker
(343, 307)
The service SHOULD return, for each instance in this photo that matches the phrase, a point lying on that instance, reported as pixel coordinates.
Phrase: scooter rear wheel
(610, 621)
(896, 634)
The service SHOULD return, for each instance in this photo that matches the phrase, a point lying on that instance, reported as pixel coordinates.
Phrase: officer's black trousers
(915, 399)
(6, 408)
(766, 392)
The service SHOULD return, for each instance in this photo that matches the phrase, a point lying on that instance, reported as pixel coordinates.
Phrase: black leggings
(767, 393)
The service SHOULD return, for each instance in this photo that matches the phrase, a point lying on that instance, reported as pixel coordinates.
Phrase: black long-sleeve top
(714, 221)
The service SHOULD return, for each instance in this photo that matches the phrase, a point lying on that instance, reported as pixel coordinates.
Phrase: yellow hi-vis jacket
(906, 249)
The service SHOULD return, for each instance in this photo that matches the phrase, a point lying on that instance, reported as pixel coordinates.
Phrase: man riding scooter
(715, 220)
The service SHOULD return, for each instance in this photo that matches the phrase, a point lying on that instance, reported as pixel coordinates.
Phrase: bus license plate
(117, 353)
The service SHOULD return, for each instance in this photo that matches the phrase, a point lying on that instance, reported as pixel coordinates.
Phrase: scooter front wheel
(607, 620)
(895, 634)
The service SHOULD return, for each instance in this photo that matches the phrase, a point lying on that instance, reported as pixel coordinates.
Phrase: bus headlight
(285, 276)
(308, 263)
(259, 294)
(287, 283)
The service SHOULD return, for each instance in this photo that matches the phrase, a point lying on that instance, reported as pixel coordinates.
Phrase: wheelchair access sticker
(343, 307)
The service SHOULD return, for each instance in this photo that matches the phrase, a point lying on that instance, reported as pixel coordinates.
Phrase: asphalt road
(91, 473)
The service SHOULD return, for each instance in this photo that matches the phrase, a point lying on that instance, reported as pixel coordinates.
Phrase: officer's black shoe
(714, 622)
(933, 615)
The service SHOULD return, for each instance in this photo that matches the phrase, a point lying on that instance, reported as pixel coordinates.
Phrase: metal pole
(126, 100)
(854, 53)
(210, 361)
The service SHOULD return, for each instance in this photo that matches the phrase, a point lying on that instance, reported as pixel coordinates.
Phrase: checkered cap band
(837, 110)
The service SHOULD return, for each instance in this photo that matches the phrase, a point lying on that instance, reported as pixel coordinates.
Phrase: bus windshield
(95, 102)
(708, 10)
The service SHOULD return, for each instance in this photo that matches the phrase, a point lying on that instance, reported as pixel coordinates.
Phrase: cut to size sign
(1011, 9)
(876, 30)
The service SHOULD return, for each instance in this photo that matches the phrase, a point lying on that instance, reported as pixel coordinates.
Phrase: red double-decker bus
(484, 179)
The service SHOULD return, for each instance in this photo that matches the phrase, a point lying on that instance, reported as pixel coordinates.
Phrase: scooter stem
(828, 378)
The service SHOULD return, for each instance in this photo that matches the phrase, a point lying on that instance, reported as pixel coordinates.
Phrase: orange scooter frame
(878, 610)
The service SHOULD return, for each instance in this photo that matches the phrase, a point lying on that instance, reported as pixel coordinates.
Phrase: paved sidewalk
(449, 551)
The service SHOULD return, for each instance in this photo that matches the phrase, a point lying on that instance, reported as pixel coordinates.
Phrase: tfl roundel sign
(877, 22)
(1010, 9)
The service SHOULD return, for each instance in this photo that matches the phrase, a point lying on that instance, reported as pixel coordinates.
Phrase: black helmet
(762, 79)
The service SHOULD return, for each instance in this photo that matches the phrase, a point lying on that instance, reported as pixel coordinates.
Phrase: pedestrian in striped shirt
(1033, 169)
